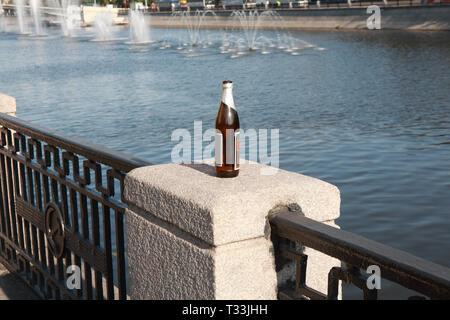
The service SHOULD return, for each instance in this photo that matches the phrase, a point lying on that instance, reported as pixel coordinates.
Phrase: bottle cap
(227, 84)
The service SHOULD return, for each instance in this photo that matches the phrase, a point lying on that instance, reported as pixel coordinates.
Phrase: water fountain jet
(20, 15)
(36, 12)
(193, 23)
(70, 19)
(139, 30)
(253, 39)
(103, 24)
(2, 20)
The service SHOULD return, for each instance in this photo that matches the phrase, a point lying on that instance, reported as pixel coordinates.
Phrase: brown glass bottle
(227, 135)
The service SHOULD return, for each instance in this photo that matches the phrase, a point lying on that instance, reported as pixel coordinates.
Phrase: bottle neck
(227, 97)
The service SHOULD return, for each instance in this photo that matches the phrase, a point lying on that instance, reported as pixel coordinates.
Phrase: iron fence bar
(120, 248)
(96, 242)
(6, 206)
(409, 271)
(108, 250)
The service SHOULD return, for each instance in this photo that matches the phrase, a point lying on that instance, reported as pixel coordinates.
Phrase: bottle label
(236, 149)
(218, 148)
(231, 148)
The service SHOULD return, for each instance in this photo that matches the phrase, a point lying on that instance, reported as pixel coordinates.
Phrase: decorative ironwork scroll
(54, 229)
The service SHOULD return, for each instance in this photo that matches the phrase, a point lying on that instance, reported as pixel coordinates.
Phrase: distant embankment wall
(418, 18)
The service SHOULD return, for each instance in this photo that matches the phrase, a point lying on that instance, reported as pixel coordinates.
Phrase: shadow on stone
(286, 268)
(203, 168)
(14, 288)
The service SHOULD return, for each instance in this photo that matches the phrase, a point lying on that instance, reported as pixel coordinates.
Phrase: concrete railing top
(193, 235)
(220, 211)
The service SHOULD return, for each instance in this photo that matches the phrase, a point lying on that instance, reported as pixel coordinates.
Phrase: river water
(368, 111)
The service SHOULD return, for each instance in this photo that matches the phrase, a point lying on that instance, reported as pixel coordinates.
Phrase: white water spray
(36, 12)
(247, 37)
(2, 20)
(71, 17)
(193, 23)
(20, 15)
(103, 24)
(139, 30)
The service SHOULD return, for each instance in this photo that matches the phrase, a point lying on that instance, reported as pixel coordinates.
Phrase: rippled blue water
(367, 111)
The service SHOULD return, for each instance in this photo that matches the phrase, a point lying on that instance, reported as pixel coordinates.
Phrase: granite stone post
(191, 235)
(7, 104)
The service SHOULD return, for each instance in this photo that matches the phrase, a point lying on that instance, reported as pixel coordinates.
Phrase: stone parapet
(192, 235)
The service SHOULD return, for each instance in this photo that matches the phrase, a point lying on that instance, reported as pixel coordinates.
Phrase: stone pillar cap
(224, 210)
(7, 104)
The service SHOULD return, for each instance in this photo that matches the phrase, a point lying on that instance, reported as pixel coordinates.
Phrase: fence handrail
(396, 265)
(116, 159)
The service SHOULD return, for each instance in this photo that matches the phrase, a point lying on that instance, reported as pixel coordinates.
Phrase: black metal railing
(61, 207)
(292, 232)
